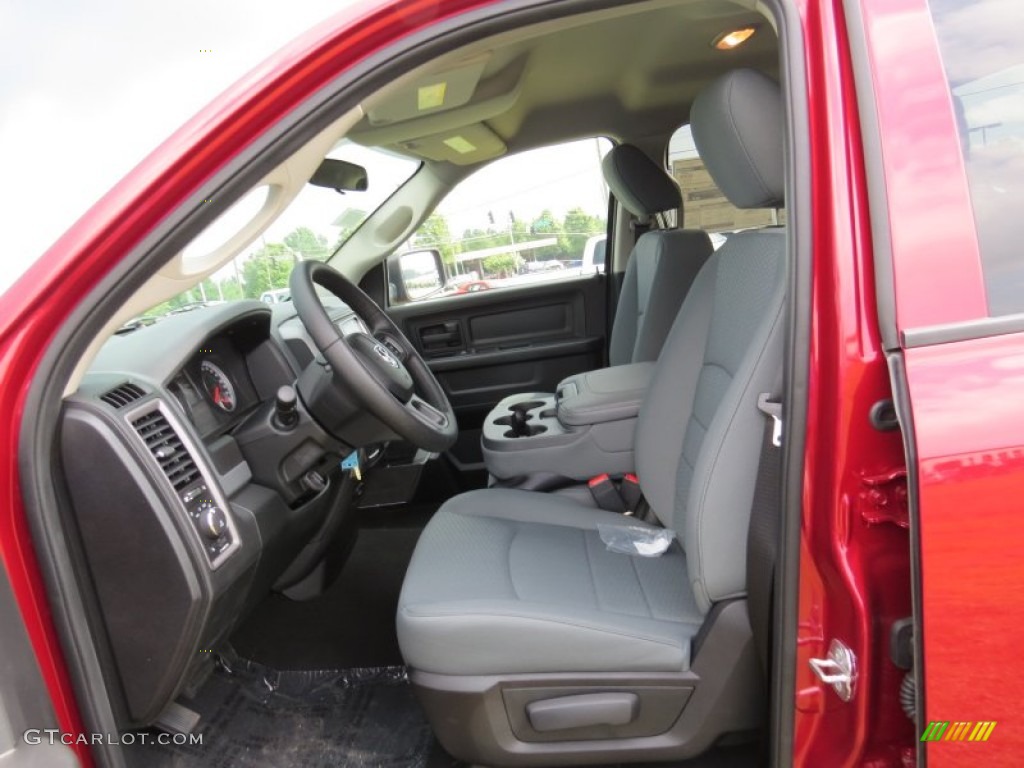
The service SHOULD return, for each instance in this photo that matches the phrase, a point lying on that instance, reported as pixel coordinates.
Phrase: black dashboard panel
(177, 532)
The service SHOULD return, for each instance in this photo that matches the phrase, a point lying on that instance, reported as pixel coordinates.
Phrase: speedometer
(218, 386)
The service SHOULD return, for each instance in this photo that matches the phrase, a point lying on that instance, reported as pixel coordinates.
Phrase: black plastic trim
(515, 355)
(883, 416)
(901, 398)
(782, 677)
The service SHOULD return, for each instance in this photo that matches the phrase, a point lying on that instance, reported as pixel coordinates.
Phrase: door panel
(488, 345)
(969, 437)
(951, 141)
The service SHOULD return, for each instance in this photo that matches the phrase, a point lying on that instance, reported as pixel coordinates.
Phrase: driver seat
(528, 641)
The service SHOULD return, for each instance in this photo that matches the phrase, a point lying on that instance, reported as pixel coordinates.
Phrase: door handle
(441, 336)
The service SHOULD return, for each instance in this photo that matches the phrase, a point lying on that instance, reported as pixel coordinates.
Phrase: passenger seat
(663, 263)
(529, 642)
(661, 269)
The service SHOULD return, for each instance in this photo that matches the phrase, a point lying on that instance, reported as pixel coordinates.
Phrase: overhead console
(584, 429)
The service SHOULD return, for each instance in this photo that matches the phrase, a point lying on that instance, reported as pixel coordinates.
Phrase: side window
(536, 216)
(983, 55)
(704, 205)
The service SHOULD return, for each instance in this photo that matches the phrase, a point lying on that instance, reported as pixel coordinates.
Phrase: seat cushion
(661, 269)
(506, 581)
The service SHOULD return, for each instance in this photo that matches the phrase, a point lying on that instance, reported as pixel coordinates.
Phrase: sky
(87, 90)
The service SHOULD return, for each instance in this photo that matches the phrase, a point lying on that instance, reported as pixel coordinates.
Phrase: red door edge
(854, 572)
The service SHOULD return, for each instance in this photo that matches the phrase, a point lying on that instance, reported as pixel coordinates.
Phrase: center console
(585, 428)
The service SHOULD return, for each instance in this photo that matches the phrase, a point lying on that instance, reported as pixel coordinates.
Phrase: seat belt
(763, 533)
(641, 228)
(625, 497)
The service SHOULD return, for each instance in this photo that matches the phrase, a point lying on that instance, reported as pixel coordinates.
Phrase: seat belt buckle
(630, 491)
(605, 494)
(773, 410)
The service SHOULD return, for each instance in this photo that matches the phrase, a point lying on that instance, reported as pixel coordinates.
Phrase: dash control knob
(212, 522)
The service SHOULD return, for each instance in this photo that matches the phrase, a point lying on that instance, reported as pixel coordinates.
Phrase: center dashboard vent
(122, 394)
(171, 454)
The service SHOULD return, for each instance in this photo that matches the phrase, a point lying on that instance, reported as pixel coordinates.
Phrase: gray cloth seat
(660, 271)
(663, 263)
(506, 581)
(545, 594)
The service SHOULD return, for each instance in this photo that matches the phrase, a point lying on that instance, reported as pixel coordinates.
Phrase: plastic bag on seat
(636, 539)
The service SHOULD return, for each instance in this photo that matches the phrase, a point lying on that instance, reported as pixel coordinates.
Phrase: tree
(546, 225)
(502, 265)
(479, 239)
(232, 289)
(305, 242)
(267, 269)
(434, 233)
(579, 227)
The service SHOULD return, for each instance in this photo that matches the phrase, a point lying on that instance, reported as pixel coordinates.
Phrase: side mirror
(415, 275)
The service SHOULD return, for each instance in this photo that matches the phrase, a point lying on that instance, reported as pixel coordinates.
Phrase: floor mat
(254, 717)
(350, 625)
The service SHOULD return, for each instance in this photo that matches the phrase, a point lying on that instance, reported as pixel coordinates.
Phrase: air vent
(165, 445)
(123, 394)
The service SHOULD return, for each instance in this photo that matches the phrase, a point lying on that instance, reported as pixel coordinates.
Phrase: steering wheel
(381, 369)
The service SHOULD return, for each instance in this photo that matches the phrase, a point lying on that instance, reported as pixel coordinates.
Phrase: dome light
(727, 41)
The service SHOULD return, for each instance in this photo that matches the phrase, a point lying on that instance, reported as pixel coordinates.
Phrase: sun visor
(467, 145)
(435, 92)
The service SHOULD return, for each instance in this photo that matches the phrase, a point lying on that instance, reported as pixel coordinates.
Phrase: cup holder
(508, 421)
(520, 419)
(527, 406)
(529, 431)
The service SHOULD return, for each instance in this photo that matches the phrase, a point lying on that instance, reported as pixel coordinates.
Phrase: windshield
(314, 226)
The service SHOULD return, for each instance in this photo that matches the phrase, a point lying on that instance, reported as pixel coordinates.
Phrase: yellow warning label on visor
(460, 145)
(431, 96)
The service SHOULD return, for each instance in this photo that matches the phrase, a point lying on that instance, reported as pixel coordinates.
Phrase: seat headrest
(737, 127)
(638, 183)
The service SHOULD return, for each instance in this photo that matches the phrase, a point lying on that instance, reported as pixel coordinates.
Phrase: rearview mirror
(415, 275)
(341, 176)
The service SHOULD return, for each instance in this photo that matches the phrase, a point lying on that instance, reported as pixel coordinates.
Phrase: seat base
(485, 719)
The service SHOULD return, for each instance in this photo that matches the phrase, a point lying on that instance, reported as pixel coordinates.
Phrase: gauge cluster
(214, 387)
(218, 386)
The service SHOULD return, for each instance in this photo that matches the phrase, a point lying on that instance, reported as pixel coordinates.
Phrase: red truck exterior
(855, 562)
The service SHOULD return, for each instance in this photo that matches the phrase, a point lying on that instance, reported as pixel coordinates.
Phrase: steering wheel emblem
(385, 354)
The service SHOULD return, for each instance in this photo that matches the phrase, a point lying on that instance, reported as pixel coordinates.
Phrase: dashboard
(190, 501)
(214, 388)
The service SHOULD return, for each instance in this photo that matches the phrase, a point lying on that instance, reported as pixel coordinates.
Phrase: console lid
(607, 394)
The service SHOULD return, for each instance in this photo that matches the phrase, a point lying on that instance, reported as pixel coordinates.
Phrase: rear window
(983, 54)
(704, 205)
